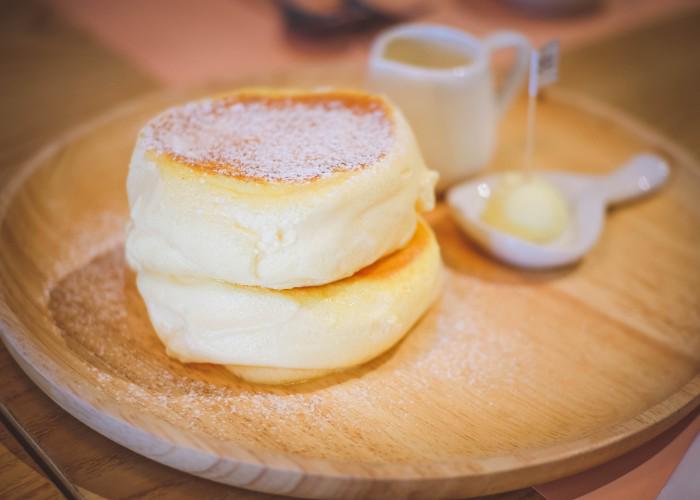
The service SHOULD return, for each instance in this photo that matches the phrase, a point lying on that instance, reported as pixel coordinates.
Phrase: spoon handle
(640, 175)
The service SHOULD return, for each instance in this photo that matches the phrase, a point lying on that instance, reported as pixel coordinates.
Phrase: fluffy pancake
(277, 336)
(277, 189)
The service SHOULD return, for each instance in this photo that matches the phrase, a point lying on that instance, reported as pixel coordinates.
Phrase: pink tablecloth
(184, 42)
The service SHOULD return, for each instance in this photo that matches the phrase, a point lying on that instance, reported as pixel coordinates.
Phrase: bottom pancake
(283, 336)
(277, 376)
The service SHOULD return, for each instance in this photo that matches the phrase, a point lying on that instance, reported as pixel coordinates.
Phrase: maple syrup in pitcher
(425, 54)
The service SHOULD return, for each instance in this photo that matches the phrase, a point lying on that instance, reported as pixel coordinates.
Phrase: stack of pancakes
(277, 232)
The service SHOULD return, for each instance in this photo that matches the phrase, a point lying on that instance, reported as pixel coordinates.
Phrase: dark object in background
(556, 8)
(325, 19)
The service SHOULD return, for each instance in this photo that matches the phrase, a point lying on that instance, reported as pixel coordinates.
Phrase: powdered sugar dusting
(464, 347)
(274, 139)
(454, 349)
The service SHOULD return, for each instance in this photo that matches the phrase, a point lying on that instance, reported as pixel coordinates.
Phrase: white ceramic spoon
(587, 195)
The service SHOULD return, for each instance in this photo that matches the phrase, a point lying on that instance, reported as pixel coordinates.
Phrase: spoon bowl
(587, 197)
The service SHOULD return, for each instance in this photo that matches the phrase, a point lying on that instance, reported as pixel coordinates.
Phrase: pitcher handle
(518, 70)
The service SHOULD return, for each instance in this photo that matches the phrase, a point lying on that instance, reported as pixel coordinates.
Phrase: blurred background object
(557, 7)
(181, 42)
(341, 17)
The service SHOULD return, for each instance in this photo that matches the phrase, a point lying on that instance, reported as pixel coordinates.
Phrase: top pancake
(274, 188)
(274, 137)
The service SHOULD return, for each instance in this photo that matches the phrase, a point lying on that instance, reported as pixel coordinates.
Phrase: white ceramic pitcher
(454, 111)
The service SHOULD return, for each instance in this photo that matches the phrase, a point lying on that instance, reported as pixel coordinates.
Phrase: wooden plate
(512, 379)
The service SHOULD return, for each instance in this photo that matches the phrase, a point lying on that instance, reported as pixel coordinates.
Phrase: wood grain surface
(512, 378)
(54, 77)
(21, 477)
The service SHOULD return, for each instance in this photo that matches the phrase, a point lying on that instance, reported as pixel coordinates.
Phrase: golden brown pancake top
(275, 137)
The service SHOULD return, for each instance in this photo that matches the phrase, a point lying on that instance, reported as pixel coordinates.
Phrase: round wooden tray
(512, 379)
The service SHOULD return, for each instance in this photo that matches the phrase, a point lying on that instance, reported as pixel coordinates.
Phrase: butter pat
(528, 207)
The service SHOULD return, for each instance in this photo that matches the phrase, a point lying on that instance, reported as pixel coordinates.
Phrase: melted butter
(528, 207)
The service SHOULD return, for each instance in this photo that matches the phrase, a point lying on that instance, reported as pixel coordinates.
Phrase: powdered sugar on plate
(457, 348)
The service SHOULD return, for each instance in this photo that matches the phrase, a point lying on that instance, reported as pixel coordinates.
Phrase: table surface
(53, 76)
